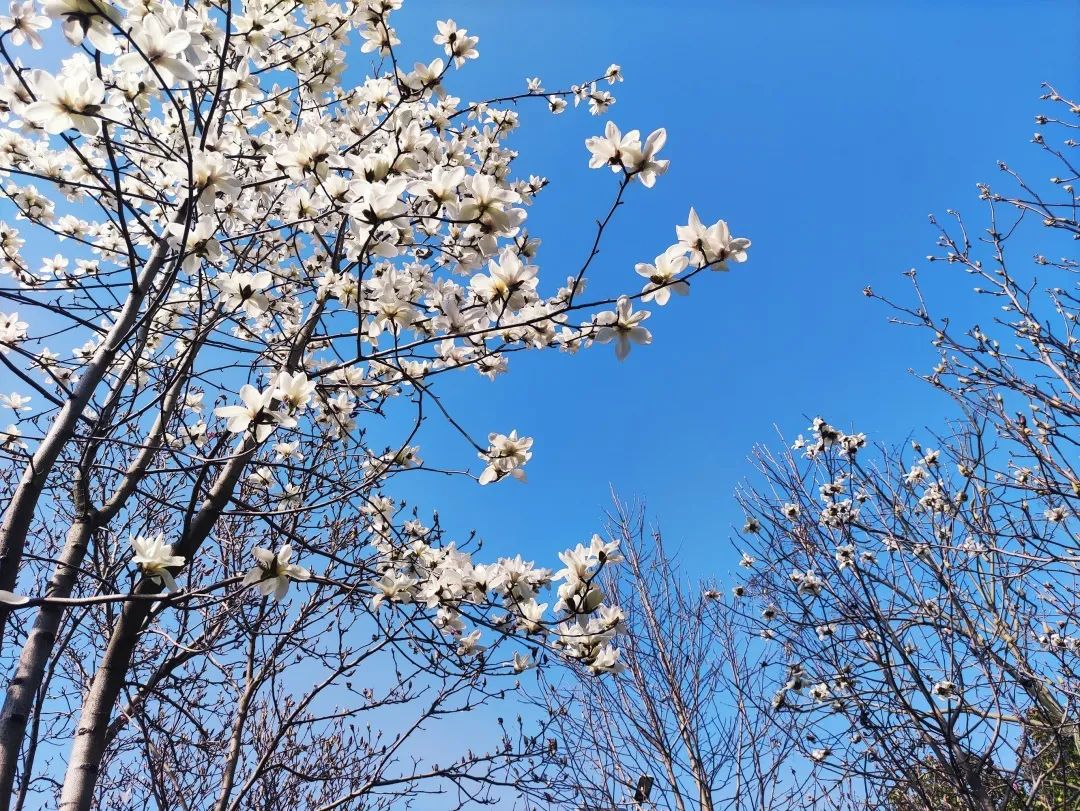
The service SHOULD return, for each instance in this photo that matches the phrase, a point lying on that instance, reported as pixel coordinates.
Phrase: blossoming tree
(923, 603)
(223, 260)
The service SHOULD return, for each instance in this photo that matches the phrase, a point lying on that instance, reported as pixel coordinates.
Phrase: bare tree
(684, 713)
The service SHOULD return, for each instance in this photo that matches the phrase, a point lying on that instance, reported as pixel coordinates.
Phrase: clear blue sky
(826, 133)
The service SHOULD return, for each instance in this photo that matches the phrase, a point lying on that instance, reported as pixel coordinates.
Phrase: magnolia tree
(923, 603)
(209, 599)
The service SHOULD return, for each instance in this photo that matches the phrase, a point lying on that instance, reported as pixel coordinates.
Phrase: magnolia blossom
(273, 573)
(645, 165)
(397, 588)
(625, 153)
(155, 557)
(209, 174)
(89, 19)
(293, 390)
(245, 290)
(613, 149)
(510, 284)
(522, 662)
(255, 414)
(456, 42)
(199, 242)
(12, 329)
(159, 49)
(469, 644)
(506, 456)
(712, 245)
(15, 401)
(24, 23)
(607, 659)
(73, 100)
(623, 327)
(288, 451)
(11, 439)
(663, 276)
(945, 689)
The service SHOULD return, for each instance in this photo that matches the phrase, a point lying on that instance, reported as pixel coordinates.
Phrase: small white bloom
(273, 573)
(155, 557)
(624, 327)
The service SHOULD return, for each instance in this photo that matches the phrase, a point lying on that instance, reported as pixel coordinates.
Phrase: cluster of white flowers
(824, 436)
(419, 191)
(259, 256)
(506, 456)
(446, 580)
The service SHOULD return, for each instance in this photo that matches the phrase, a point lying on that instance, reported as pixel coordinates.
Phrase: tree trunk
(89, 746)
(35, 657)
(40, 643)
(91, 736)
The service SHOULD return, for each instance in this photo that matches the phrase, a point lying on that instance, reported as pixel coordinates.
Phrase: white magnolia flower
(711, 245)
(11, 439)
(155, 557)
(522, 662)
(510, 284)
(12, 329)
(469, 645)
(261, 478)
(73, 100)
(245, 290)
(614, 149)
(255, 414)
(273, 573)
(945, 689)
(607, 660)
(1056, 515)
(456, 42)
(158, 49)
(199, 243)
(662, 276)
(193, 400)
(644, 162)
(623, 327)
(397, 588)
(15, 401)
(294, 390)
(506, 456)
(89, 19)
(288, 451)
(24, 23)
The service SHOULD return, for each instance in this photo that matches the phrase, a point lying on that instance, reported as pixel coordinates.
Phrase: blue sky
(826, 135)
